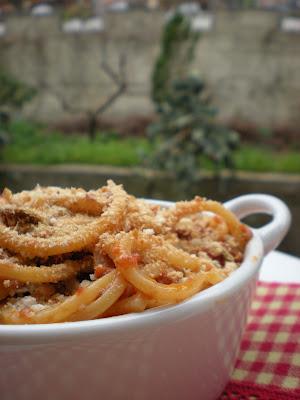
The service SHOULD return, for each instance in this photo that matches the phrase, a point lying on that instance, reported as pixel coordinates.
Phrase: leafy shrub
(177, 50)
(187, 133)
(13, 95)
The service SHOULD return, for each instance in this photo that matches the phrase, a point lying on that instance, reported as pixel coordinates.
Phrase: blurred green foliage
(186, 131)
(13, 93)
(177, 50)
(33, 144)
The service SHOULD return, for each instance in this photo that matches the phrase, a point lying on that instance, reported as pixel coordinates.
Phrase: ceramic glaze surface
(181, 352)
(178, 360)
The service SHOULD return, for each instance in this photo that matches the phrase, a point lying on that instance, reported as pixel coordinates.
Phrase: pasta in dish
(73, 255)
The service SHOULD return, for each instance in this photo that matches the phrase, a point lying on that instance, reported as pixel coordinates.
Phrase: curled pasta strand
(236, 228)
(123, 249)
(59, 312)
(128, 255)
(83, 237)
(43, 274)
(75, 200)
(135, 303)
(184, 208)
(102, 303)
(178, 258)
(173, 292)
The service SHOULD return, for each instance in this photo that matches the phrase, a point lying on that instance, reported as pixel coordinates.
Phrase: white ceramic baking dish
(185, 351)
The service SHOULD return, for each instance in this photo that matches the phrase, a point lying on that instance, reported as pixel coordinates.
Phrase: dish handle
(272, 233)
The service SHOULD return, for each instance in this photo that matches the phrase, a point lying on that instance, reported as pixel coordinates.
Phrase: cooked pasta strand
(100, 305)
(71, 255)
(54, 273)
(135, 303)
(59, 312)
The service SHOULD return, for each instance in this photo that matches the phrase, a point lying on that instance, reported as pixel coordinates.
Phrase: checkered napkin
(268, 365)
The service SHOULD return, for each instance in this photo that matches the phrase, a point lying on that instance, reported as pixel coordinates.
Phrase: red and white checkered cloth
(268, 365)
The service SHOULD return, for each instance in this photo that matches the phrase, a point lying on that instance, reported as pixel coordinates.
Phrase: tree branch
(111, 99)
(119, 79)
(66, 106)
(110, 72)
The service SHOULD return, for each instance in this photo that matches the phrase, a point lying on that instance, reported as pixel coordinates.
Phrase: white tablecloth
(280, 267)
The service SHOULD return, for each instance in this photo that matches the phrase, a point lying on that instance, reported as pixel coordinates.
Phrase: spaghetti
(72, 255)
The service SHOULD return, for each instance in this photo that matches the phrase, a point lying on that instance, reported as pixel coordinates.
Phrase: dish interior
(197, 304)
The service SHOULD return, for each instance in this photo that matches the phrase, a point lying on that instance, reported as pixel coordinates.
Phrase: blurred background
(170, 98)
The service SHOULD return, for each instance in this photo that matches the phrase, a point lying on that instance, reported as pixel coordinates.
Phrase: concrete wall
(251, 67)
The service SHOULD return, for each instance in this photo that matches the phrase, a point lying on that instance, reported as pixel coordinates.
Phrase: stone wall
(250, 65)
